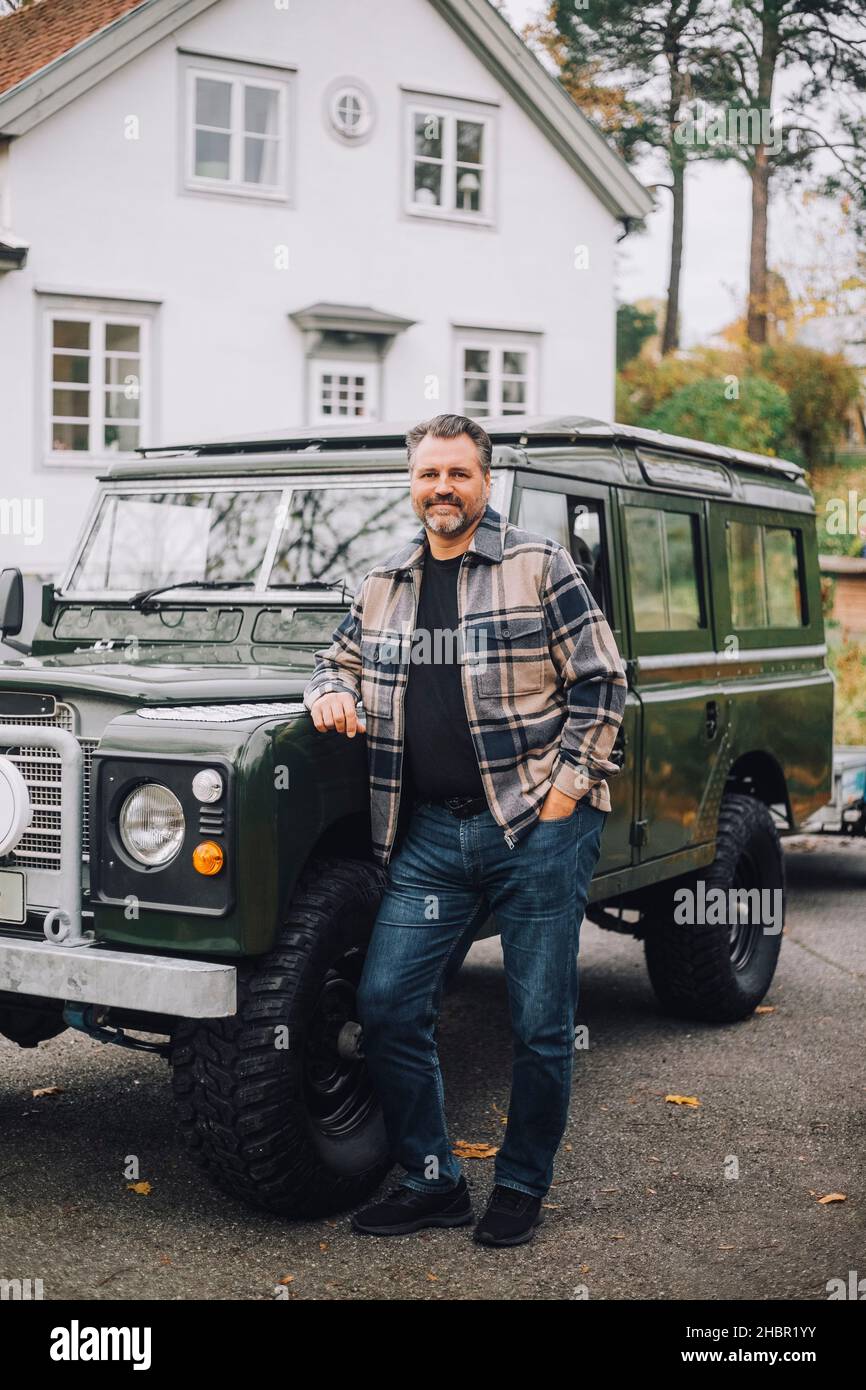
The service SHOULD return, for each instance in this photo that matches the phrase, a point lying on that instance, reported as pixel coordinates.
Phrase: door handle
(712, 724)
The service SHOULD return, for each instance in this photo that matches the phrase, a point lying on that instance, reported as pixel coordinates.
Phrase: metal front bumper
(98, 975)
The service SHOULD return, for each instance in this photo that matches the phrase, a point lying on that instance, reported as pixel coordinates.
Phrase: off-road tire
(249, 1109)
(709, 972)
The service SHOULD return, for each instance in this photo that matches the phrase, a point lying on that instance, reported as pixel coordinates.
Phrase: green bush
(758, 418)
(633, 327)
(820, 389)
(831, 484)
(643, 385)
(847, 661)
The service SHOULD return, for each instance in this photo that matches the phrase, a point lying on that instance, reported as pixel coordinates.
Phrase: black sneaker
(404, 1209)
(511, 1217)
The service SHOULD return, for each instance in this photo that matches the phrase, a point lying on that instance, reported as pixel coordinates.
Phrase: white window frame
(450, 114)
(97, 318)
(234, 186)
(338, 92)
(320, 366)
(497, 344)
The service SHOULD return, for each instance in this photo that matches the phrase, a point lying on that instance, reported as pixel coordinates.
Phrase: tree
(827, 40)
(632, 66)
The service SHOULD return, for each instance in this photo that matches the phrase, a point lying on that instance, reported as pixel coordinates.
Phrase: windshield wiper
(139, 600)
(341, 584)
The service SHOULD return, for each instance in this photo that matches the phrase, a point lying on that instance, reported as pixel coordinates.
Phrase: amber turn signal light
(208, 857)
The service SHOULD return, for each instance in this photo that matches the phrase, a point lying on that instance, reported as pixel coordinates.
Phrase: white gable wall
(105, 215)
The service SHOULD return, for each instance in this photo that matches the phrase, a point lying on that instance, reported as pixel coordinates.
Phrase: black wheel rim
(745, 935)
(339, 1096)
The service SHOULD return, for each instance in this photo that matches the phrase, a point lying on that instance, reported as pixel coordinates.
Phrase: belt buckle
(456, 804)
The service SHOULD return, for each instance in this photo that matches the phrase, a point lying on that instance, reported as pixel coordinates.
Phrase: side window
(578, 524)
(545, 513)
(765, 577)
(664, 563)
(588, 549)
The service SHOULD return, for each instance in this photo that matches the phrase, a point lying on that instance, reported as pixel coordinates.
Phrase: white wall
(105, 215)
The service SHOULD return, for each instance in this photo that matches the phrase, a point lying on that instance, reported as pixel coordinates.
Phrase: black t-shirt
(439, 755)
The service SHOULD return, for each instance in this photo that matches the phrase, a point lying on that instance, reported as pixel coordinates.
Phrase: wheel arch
(345, 837)
(759, 773)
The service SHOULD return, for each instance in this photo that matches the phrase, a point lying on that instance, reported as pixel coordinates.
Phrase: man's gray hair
(451, 427)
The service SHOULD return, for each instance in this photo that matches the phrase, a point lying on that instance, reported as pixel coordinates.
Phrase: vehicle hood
(165, 674)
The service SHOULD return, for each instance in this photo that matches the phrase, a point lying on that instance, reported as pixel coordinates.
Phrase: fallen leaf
(434, 1278)
(832, 1197)
(652, 1192)
(164, 1260)
(464, 1148)
(286, 1279)
(765, 1009)
(47, 1091)
(727, 1247)
(683, 1100)
(142, 1188)
(323, 1245)
(617, 1237)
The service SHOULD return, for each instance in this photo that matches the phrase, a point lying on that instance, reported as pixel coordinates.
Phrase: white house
(222, 216)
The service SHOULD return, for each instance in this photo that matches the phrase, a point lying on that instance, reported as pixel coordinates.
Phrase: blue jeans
(443, 882)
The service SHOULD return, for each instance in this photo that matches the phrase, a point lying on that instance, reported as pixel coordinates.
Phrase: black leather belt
(462, 806)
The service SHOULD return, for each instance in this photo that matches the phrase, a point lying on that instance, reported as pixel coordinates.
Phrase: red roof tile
(45, 30)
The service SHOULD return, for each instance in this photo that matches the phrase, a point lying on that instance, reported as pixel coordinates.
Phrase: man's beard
(447, 523)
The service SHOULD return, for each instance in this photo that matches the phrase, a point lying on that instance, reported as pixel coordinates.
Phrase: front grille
(39, 846)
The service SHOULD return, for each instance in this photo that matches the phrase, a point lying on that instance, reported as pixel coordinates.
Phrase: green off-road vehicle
(183, 855)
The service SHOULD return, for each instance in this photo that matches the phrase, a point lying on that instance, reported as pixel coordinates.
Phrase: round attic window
(350, 111)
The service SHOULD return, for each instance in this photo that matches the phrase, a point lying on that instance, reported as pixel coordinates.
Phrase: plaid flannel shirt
(543, 682)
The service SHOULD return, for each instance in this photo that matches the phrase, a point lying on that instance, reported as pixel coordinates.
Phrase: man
(489, 739)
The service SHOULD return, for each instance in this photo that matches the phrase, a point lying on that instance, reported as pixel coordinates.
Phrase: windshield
(139, 540)
(336, 531)
(260, 536)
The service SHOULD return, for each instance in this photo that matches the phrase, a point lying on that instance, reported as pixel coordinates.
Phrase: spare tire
(28, 1026)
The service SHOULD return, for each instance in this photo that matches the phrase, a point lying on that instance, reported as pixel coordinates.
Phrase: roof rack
(520, 430)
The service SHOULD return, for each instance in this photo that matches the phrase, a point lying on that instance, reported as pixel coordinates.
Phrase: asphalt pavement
(651, 1199)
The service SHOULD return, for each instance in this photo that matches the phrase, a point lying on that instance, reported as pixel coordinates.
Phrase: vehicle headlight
(152, 824)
